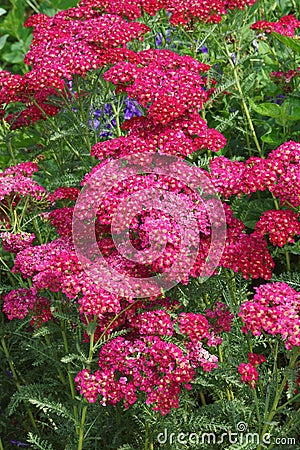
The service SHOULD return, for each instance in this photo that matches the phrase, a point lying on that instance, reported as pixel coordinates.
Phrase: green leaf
(271, 137)
(13, 57)
(255, 209)
(91, 328)
(291, 109)
(37, 443)
(13, 21)
(3, 40)
(71, 357)
(294, 44)
(267, 109)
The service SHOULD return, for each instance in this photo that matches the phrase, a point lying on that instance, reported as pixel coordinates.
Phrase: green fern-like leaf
(33, 394)
(126, 447)
(291, 278)
(220, 89)
(37, 443)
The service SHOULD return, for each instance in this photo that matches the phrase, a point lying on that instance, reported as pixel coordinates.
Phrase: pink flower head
(256, 359)
(15, 242)
(249, 374)
(195, 326)
(286, 25)
(21, 302)
(281, 226)
(274, 309)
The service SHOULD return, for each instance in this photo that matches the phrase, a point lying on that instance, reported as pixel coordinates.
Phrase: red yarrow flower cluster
(157, 322)
(18, 188)
(55, 266)
(281, 226)
(150, 365)
(249, 374)
(275, 310)
(173, 85)
(249, 371)
(195, 326)
(221, 318)
(286, 25)
(78, 40)
(33, 96)
(179, 137)
(180, 13)
(21, 302)
(15, 242)
(256, 359)
(284, 77)
(279, 173)
(249, 254)
(199, 356)
(72, 42)
(64, 193)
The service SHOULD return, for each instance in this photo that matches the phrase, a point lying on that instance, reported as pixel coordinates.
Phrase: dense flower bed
(161, 205)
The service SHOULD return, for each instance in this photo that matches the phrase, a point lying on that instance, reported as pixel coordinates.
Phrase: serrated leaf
(37, 443)
(44, 331)
(72, 357)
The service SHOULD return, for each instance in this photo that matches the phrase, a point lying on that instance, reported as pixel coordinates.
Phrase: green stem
(148, 440)
(202, 398)
(10, 274)
(11, 152)
(85, 407)
(83, 116)
(244, 104)
(81, 429)
(254, 390)
(287, 255)
(274, 409)
(231, 284)
(59, 371)
(114, 319)
(1, 445)
(288, 402)
(37, 230)
(117, 119)
(228, 390)
(288, 261)
(70, 378)
(16, 381)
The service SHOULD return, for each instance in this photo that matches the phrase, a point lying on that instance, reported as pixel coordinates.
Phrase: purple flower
(233, 57)
(203, 50)
(280, 99)
(99, 117)
(131, 109)
(18, 443)
(159, 38)
(10, 374)
(108, 109)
